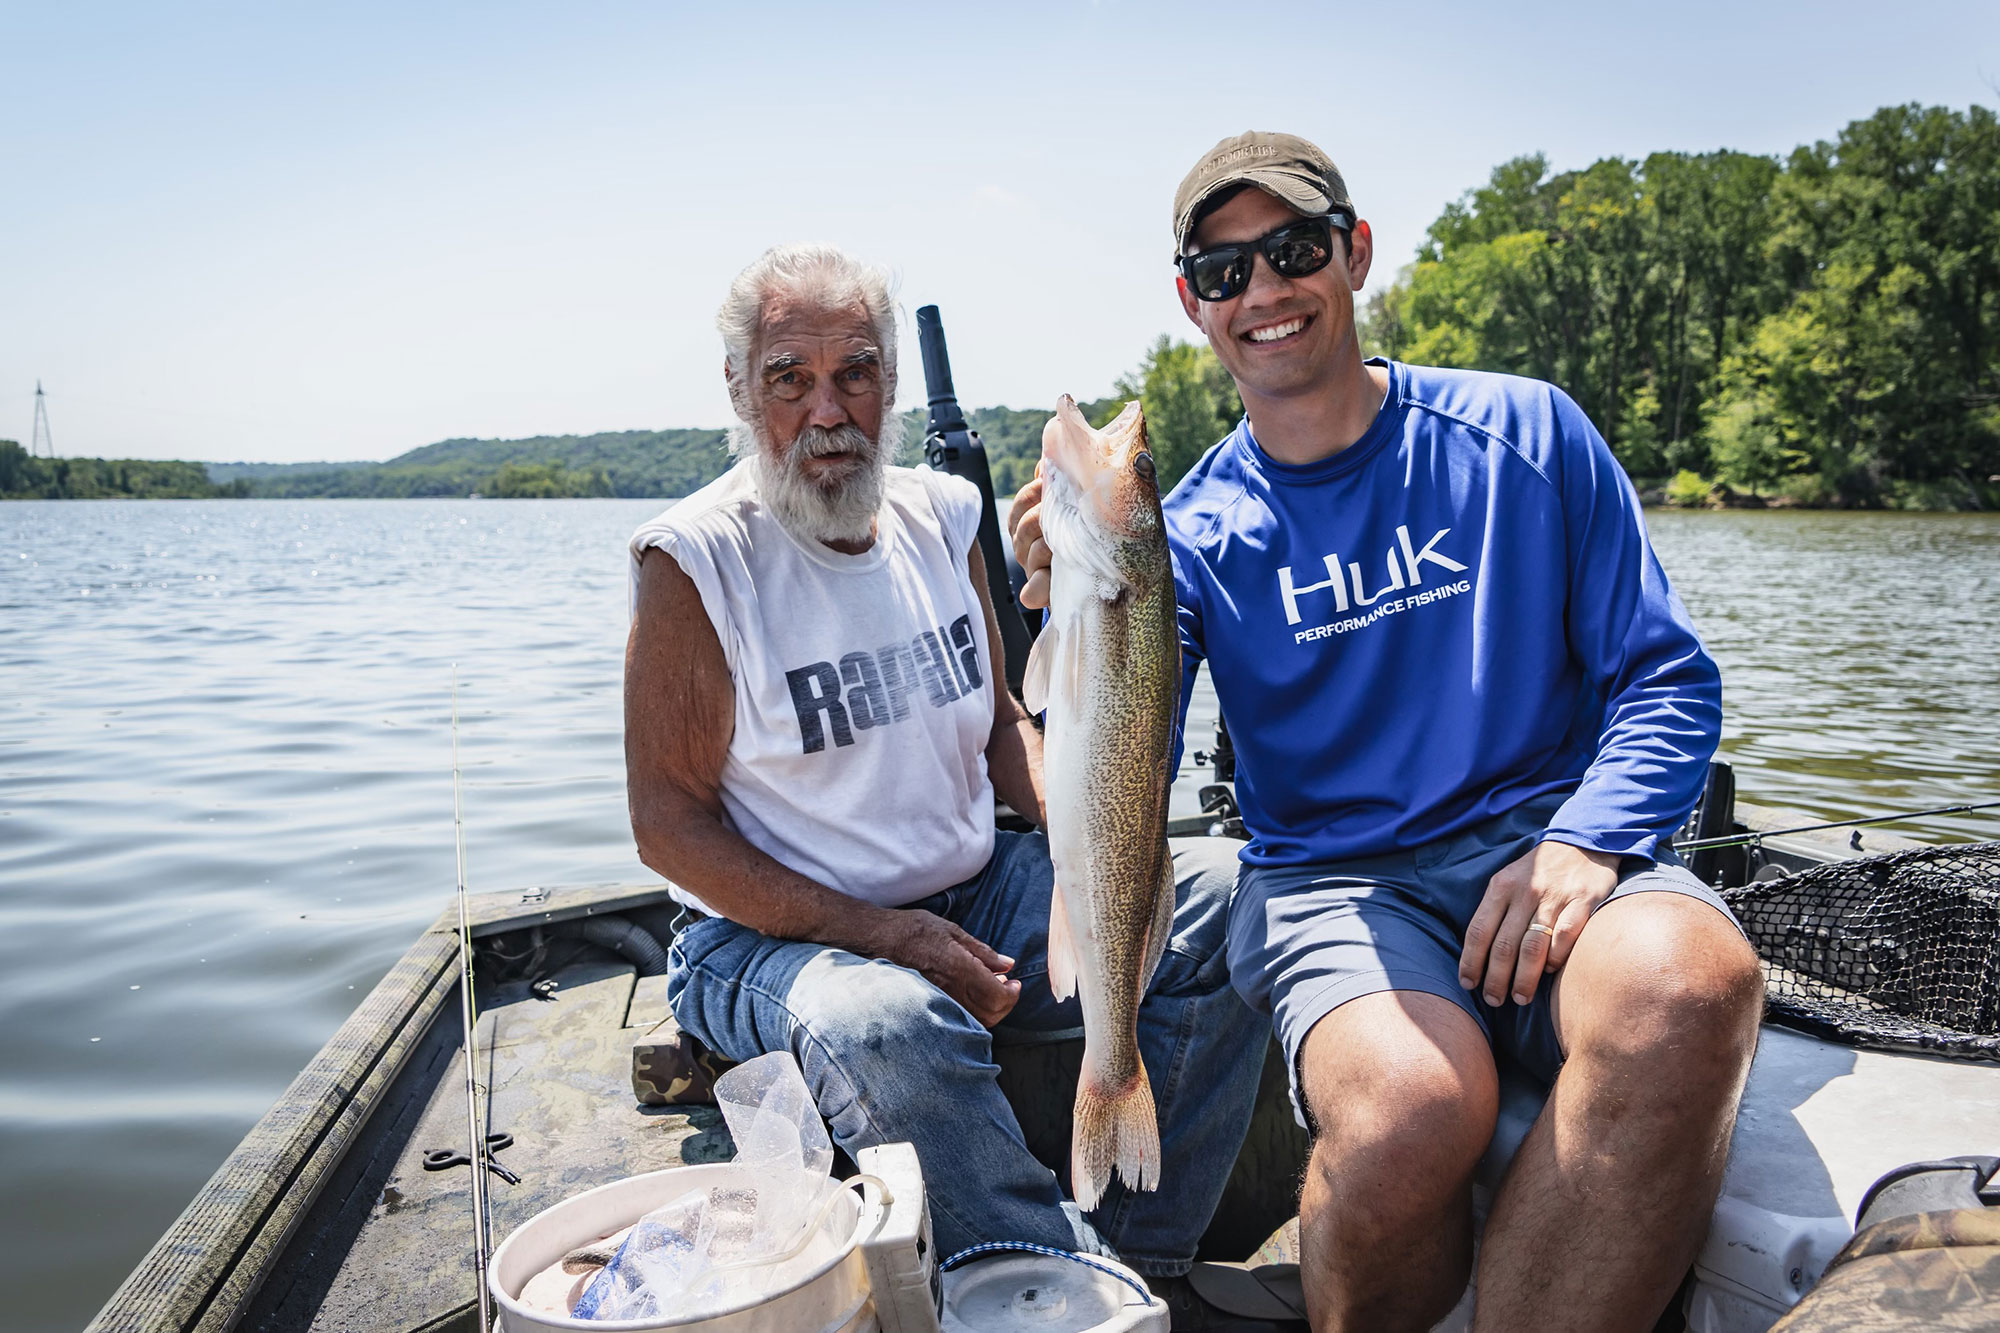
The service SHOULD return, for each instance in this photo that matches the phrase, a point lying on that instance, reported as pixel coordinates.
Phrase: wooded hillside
(1824, 329)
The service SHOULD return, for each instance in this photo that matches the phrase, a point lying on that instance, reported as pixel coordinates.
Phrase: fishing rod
(1736, 838)
(468, 1015)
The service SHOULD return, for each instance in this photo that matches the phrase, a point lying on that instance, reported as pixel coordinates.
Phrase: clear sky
(288, 232)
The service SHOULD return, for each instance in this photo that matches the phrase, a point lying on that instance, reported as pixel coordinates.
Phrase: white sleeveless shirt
(864, 693)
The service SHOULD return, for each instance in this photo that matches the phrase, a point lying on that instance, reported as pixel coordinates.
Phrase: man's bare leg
(1403, 1096)
(1610, 1195)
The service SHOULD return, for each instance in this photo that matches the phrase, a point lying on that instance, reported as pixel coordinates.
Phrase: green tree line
(633, 463)
(1189, 401)
(1823, 329)
(26, 477)
(1012, 438)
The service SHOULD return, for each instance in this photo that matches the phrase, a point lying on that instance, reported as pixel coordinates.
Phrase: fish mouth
(1276, 331)
(1084, 455)
(1089, 474)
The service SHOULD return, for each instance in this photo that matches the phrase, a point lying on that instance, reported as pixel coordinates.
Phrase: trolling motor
(951, 446)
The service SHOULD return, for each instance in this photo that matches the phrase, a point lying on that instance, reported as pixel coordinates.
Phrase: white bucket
(831, 1298)
(1036, 1293)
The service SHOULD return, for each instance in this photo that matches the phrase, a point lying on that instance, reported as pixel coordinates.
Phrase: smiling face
(1281, 336)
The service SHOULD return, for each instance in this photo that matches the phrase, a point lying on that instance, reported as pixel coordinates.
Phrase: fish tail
(1115, 1127)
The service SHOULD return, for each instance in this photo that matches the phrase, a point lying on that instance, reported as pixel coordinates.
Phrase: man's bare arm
(679, 717)
(1014, 751)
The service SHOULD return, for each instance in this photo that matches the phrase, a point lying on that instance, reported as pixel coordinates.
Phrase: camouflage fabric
(670, 1068)
(1923, 1271)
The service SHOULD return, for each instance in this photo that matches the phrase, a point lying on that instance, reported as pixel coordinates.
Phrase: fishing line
(468, 1016)
(1735, 838)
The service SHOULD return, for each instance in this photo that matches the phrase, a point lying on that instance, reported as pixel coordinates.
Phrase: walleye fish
(1106, 667)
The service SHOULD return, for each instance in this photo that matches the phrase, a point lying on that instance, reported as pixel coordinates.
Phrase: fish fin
(1163, 922)
(1041, 661)
(1070, 662)
(1115, 1128)
(1062, 953)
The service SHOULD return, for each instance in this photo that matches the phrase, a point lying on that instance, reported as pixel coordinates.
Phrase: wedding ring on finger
(1534, 926)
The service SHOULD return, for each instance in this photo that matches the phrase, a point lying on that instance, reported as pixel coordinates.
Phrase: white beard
(842, 512)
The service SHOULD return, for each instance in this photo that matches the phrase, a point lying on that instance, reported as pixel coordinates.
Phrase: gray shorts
(1304, 940)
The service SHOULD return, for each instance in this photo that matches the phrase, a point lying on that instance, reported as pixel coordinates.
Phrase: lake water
(225, 795)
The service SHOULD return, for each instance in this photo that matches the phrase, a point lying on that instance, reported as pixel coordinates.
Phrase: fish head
(1100, 487)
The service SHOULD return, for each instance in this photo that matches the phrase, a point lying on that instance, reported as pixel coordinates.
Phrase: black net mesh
(1899, 951)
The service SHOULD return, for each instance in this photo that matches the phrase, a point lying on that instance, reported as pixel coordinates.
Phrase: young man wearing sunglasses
(1467, 712)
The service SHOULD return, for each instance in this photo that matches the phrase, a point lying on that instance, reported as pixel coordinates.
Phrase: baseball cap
(1284, 166)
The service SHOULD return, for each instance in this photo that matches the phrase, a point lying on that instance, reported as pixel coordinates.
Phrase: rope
(994, 1246)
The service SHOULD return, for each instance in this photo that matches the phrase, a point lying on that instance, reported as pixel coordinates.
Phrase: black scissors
(443, 1159)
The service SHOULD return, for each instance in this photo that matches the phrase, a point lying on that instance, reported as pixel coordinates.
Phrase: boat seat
(1819, 1123)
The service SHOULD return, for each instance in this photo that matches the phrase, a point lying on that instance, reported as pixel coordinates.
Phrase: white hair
(822, 276)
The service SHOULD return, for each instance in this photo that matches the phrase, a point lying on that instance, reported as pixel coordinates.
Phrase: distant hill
(630, 463)
(627, 463)
(254, 471)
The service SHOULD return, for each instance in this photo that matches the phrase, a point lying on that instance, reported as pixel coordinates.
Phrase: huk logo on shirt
(1349, 584)
(942, 665)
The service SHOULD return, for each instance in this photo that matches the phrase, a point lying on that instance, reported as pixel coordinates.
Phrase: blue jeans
(891, 1058)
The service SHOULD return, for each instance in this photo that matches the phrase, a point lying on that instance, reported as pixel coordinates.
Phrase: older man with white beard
(816, 725)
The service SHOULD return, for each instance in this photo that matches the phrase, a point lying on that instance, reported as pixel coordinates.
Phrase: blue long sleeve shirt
(1456, 614)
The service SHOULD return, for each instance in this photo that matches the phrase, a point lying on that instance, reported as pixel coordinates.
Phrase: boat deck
(388, 1243)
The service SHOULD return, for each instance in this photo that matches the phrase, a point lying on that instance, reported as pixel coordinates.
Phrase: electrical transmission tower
(41, 443)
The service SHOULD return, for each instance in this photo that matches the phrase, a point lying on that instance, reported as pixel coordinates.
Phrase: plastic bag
(657, 1255)
(729, 1243)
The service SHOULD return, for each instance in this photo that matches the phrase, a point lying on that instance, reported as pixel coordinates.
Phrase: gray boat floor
(388, 1245)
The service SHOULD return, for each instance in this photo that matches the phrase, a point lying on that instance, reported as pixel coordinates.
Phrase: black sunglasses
(1295, 250)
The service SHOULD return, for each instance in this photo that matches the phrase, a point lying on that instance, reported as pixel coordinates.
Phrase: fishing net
(1900, 951)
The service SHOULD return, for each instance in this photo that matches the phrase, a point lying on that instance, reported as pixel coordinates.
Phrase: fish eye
(1142, 463)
